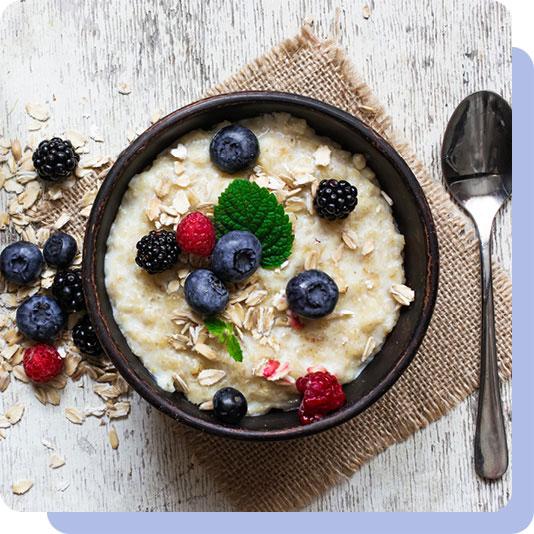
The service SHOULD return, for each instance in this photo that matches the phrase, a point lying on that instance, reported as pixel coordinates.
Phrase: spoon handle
(491, 451)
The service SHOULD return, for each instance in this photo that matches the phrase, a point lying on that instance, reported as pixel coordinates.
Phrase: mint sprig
(245, 205)
(224, 332)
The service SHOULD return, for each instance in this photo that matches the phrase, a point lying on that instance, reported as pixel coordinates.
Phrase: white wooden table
(420, 57)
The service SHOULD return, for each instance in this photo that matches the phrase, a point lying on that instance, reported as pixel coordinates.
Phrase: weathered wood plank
(421, 58)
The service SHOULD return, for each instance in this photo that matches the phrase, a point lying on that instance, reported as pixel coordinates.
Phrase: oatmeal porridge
(361, 253)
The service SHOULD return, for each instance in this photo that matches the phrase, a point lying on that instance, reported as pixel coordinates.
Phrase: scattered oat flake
(113, 438)
(153, 209)
(206, 351)
(208, 377)
(402, 294)
(173, 286)
(369, 348)
(119, 409)
(34, 126)
(20, 374)
(367, 247)
(124, 88)
(180, 152)
(21, 487)
(76, 138)
(179, 383)
(179, 168)
(207, 405)
(62, 220)
(366, 11)
(55, 461)
(15, 413)
(340, 314)
(16, 149)
(349, 238)
(5, 379)
(53, 397)
(37, 111)
(181, 202)
(156, 116)
(74, 416)
(322, 156)
(4, 423)
(387, 198)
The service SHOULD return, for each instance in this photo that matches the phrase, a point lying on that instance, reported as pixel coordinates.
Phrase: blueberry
(40, 318)
(234, 148)
(205, 293)
(312, 294)
(60, 249)
(229, 405)
(21, 262)
(236, 256)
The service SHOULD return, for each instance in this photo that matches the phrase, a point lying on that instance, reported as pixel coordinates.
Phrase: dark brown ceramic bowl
(410, 209)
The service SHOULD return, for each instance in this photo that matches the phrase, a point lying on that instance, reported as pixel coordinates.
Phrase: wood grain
(420, 57)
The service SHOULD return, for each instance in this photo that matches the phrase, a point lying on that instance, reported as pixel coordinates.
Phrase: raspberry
(321, 394)
(42, 362)
(196, 234)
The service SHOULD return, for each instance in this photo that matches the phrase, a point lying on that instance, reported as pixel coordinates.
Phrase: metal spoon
(477, 164)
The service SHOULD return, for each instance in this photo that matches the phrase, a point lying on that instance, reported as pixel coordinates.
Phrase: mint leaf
(224, 332)
(234, 348)
(245, 205)
(217, 327)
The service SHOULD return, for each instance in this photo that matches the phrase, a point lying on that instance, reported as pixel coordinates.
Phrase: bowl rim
(151, 394)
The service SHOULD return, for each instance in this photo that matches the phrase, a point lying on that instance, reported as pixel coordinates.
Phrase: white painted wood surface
(420, 57)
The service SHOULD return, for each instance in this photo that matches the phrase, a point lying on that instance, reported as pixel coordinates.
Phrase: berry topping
(84, 337)
(236, 256)
(294, 320)
(157, 251)
(55, 159)
(245, 205)
(59, 250)
(195, 234)
(312, 294)
(42, 362)
(321, 394)
(40, 318)
(205, 293)
(234, 148)
(229, 405)
(21, 262)
(67, 288)
(335, 200)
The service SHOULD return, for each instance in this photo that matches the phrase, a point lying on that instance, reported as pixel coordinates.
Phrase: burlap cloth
(288, 475)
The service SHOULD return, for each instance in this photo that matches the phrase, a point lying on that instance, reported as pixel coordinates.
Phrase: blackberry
(335, 200)
(157, 251)
(67, 288)
(55, 159)
(84, 337)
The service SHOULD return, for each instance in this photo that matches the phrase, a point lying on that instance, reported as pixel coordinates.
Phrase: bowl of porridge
(260, 265)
